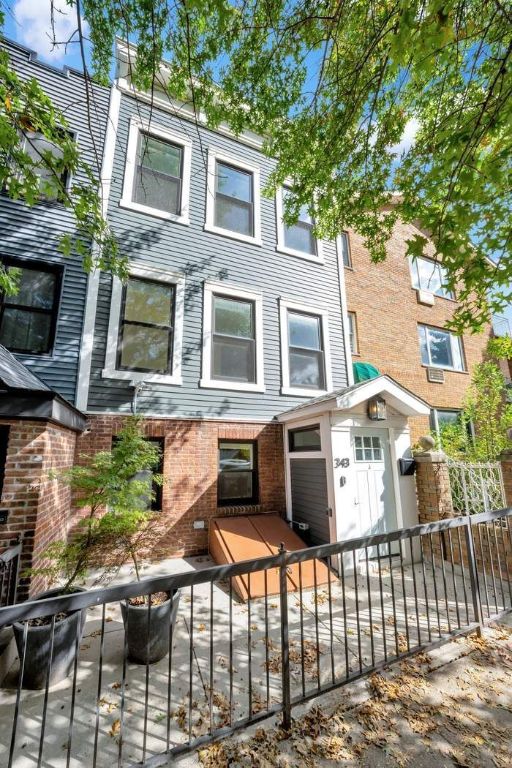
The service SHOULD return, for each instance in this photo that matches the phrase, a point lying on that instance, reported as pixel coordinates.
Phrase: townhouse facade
(41, 328)
(398, 312)
(231, 339)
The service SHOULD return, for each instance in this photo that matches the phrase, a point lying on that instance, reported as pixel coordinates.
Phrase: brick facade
(387, 316)
(39, 508)
(190, 473)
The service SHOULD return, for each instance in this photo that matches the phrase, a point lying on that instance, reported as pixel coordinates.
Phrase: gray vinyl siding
(308, 483)
(200, 256)
(33, 232)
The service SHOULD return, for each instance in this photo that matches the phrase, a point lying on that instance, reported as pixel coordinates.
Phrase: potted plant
(148, 619)
(109, 483)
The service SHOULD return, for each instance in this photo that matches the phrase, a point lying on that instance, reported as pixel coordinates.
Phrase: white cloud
(408, 136)
(35, 26)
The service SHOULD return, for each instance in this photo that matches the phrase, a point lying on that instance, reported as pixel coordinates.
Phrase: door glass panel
(368, 448)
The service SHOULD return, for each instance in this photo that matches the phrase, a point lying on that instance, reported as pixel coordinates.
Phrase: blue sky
(29, 23)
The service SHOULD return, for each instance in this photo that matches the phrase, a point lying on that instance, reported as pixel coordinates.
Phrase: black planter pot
(37, 654)
(162, 618)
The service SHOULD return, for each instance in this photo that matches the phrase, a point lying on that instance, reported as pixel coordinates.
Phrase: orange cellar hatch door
(235, 539)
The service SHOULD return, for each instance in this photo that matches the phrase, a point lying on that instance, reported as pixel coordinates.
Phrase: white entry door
(375, 493)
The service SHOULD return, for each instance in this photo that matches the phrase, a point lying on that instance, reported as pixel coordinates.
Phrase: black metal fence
(9, 573)
(315, 620)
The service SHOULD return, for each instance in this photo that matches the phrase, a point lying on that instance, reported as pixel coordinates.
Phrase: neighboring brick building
(386, 311)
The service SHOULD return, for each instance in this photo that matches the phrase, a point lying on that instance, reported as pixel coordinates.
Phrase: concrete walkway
(450, 708)
(329, 639)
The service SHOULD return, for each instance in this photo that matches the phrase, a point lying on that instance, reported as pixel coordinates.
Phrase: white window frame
(353, 331)
(215, 156)
(281, 246)
(110, 371)
(413, 268)
(138, 126)
(286, 389)
(210, 288)
(453, 340)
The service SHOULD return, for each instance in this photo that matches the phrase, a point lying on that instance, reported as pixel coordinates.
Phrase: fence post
(473, 575)
(285, 645)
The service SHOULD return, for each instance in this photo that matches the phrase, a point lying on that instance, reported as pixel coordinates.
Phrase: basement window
(238, 473)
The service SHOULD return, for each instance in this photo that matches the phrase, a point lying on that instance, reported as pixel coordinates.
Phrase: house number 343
(341, 463)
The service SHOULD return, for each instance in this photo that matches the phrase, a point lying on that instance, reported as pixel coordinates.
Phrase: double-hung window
(345, 250)
(158, 174)
(233, 340)
(440, 348)
(299, 236)
(428, 275)
(53, 175)
(28, 318)
(238, 473)
(352, 333)
(146, 326)
(306, 351)
(234, 199)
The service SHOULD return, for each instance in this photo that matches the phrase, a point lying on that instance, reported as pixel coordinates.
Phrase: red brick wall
(387, 316)
(39, 507)
(190, 471)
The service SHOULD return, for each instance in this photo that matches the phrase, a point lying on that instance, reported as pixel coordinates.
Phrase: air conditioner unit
(435, 375)
(425, 297)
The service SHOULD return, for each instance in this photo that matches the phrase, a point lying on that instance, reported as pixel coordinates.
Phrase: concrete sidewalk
(330, 636)
(451, 708)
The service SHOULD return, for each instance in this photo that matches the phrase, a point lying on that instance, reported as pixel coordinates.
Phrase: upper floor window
(440, 348)
(233, 199)
(306, 351)
(146, 326)
(28, 318)
(53, 175)
(157, 173)
(158, 177)
(345, 250)
(430, 276)
(352, 333)
(299, 236)
(297, 239)
(233, 338)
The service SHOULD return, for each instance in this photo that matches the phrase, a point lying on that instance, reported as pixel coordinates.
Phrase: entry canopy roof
(398, 397)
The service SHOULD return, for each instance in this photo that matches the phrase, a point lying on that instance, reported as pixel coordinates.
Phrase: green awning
(364, 372)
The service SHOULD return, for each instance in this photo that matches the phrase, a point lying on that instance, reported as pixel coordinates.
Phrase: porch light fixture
(377, 409)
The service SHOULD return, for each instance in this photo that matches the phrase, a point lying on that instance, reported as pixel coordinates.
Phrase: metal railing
(476, 486)
(9, 572)
(322, 617)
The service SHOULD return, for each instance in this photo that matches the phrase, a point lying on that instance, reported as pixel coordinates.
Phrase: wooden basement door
(235, 539)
